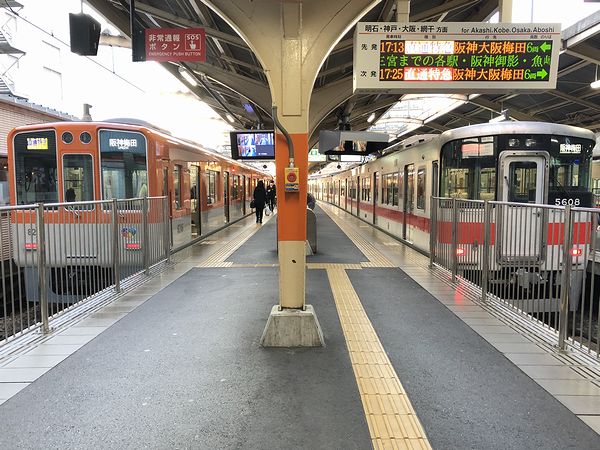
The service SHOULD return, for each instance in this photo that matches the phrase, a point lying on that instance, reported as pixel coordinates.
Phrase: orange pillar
(291, 223)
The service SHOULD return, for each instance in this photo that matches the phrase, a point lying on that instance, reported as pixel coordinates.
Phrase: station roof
(231, 67)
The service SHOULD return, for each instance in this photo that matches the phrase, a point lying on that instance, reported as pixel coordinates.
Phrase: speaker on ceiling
(85, 34)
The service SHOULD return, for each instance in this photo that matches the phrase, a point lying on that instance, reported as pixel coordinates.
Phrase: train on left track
(84, 161)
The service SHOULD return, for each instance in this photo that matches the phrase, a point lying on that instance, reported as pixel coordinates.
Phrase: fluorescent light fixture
(188, 76)
(230, 118)
(371, 118)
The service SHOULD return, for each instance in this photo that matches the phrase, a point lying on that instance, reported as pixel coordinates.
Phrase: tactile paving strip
(217, 259)
(393, 423)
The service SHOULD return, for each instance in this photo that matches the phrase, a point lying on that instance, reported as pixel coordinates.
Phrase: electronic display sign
(455, 57)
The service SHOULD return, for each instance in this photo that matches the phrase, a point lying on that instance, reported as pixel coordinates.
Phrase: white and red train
(519, 163)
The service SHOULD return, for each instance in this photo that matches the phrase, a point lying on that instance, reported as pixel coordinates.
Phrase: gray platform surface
(184, 370)
(333, 246)
(465, 392)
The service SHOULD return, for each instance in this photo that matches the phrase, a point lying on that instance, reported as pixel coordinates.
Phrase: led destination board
(457, 57)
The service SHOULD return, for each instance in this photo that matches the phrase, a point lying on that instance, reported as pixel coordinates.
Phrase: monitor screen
(253, 144)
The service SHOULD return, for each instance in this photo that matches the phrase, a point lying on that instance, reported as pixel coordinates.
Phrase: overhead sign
(455, 57)
(315, 156)
(351, 142)
(175, 44)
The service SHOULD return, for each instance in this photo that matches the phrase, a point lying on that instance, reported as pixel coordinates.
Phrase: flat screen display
(253, 144)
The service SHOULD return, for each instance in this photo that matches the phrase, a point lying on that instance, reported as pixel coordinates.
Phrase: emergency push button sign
(292, 176)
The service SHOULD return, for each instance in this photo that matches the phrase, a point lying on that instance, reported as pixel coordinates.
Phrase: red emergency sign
(175, 44)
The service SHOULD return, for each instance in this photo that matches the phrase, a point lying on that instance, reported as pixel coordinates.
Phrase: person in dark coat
(271, 194)
(260, 198)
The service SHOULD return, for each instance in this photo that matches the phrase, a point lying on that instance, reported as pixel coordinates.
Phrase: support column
(292, 323)
(402, 11)
(291, 39)
(506, 7)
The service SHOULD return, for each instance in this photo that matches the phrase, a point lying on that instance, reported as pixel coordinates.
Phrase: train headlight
(576, 251)
(460, 251)
(530, 142)
(513, 142)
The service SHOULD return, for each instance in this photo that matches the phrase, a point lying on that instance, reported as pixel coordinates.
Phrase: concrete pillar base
(292, 328)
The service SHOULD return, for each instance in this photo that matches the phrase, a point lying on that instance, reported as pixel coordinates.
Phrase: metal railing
(56, 256)
(539, 260)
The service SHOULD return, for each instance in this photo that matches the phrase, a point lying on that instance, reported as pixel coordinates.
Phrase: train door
(408, 204)
(522, 180)
(375, 191)
(226, 196)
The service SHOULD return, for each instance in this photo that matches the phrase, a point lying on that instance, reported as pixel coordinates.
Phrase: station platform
(410, 362)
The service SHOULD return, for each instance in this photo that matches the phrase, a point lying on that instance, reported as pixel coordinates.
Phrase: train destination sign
(455, 57)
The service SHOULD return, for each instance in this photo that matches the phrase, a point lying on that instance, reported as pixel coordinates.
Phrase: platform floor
(410, 361)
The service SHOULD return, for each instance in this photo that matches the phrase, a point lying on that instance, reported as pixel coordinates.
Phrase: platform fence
(539, 260)
(55, 257)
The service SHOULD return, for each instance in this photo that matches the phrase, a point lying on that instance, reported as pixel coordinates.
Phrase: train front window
(123, 164)
(78, 178)
(521, 181)
(468, 169)
(35, 167)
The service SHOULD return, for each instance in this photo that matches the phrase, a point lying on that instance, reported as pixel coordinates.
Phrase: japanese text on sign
(455, 56)
(175, 44)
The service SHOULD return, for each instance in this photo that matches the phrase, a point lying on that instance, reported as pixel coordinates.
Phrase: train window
(366, 189)
(212, 184)
(234, 187)
(395, 189)
(177, 186)
(468, 169)
(123, 164)
(522, 178)
(385, 190)
(487, 184)
(35, 167)
(78, 178)
(421, 188)
(409, 171)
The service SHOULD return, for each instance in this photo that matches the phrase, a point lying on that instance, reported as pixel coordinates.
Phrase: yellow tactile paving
(391, 418)
(217, 259)
(392, 421)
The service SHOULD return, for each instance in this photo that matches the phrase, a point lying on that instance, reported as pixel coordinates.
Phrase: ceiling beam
(497, 108)
(446, 7)
(180, 21)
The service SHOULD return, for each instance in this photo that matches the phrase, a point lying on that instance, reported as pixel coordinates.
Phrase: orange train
(87, 161)
(97, 161)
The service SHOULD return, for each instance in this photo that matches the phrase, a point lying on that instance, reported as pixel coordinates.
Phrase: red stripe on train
(469, 233)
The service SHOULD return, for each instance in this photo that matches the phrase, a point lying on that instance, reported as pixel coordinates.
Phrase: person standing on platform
(260, 198)
(271, 195)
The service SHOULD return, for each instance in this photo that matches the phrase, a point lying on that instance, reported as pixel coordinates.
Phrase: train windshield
(469, 169)
(35, 167)
(123, 164)
(469, 165)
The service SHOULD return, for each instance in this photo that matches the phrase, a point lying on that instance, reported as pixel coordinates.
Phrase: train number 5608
(567, 201)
